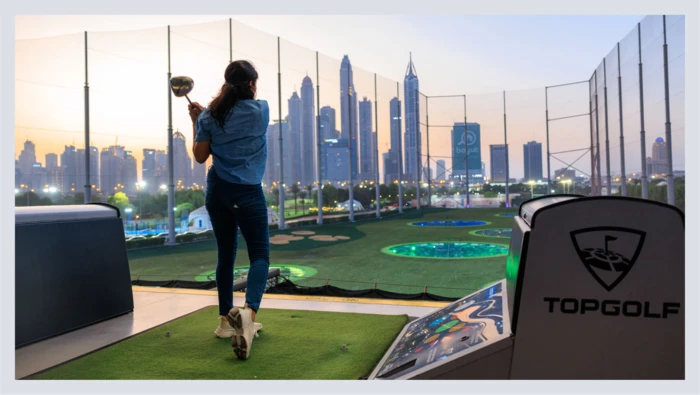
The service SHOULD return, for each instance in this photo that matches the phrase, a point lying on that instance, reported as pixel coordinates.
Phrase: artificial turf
(293, 345)
(359, 262)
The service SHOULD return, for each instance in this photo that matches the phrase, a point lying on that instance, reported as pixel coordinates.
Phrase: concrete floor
(155, 306)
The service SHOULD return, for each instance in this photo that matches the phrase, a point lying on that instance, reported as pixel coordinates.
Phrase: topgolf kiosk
(594, 289)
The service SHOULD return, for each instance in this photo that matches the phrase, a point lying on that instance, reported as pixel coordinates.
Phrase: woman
(232, 129)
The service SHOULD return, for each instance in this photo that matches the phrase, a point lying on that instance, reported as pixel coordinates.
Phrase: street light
(128, 214)
(140, 185)
(532, 188)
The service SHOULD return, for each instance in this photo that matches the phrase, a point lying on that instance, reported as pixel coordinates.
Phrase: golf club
(181, 86)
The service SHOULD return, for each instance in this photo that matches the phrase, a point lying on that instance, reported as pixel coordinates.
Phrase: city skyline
(105, 126)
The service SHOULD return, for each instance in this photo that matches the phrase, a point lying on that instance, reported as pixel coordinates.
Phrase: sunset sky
(479, 56)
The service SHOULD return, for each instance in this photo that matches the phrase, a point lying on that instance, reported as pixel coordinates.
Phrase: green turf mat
(293, 345)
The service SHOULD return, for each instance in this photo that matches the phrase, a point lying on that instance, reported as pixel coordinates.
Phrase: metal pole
(417, 141)
(171, 159)
(590, 122)
(88, 186)
(427, 139)
(623, 192)
(351, 194)
(645, 180)
(597, 134)
(546, 114)
(607, 139)
(376, 150)
(281, 141)
(398, 104)
(319, 146)
(466, 152)
(230, 40)
(670, 182)
(505, 138)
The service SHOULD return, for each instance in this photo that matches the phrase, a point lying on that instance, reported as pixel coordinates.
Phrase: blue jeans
(233, 206)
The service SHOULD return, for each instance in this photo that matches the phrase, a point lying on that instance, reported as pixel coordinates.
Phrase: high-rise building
(69, 162)
(461, 140)
(148, 170)
(54, 173)
(367, 165)
(532, 157)
(308, 133)
(273, 166)
(440, 170)
(27, 159)
(391, 158)
(295, 124)
(328, 128)
(129, 174)
(498, 163)
(182, 162)
(94, 169)
(412, 136)
(112, 170)
(335, 166)
(199, 174)
(658, 166)
(348, 112)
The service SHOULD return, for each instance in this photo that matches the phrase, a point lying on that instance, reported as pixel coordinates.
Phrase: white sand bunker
(284, 239)
(328, 238)
(303, 232)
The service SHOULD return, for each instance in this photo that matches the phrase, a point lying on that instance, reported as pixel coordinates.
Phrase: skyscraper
(27, 159)
(348, 111)
(460, 142)
(532, 154)
(328, 128)
(272, 169)
(94, 169)
(69, 163)
(367, 166)
(335, 166)
(182, 162)
(129, 174)
(391, 158)
(498, 163)
(295, 125)
(54, 173)
(308, 133)
(412, 136)
(148, 170)
(111, 170)
(441, 175)
(659, 158)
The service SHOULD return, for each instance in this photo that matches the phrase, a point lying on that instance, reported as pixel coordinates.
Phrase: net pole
(608, 177)
(88, 186)
(623, 177)
(642, 132)
(505, 138)
(376, 150)
(171, 158)
(319, 147)
(670, 184)
(398, 105)
(281, 140)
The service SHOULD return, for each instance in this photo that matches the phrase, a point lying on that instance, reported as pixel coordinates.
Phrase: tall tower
(308, 133)
(367, 165)
(348, 110)
(412, 136)
(295, 125)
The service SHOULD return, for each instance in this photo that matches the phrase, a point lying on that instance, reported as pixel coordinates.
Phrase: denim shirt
(240, 147)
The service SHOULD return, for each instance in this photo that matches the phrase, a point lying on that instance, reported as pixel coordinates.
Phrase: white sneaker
(225, 330)
(242, 322)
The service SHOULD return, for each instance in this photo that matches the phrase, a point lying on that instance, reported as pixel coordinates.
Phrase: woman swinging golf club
(232, 129)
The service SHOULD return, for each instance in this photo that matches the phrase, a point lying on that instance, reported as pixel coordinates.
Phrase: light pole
(532, 189)
(140, 185)
(128, 214)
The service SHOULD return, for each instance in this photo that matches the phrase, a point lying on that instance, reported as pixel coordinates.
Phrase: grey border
(690, 8)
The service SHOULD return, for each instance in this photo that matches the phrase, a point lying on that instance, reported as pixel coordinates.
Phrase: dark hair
(238, 77)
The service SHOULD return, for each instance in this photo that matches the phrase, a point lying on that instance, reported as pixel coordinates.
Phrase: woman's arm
(200, 149)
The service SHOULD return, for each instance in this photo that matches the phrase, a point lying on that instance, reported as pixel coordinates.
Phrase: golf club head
(181, 86)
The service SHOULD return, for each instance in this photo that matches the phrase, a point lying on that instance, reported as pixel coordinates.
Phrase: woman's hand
(195, 110)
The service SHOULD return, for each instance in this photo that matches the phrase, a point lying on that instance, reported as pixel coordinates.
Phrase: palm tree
(302, 195)
(295, 191)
